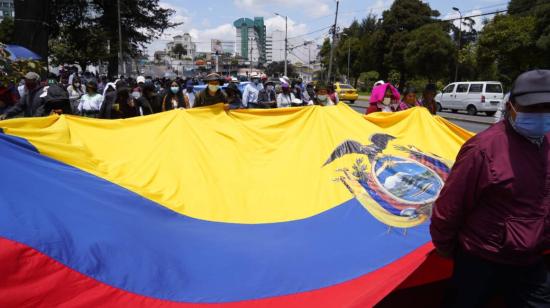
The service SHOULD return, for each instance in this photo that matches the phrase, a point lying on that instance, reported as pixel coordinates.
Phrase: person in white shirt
(286, 98)
(76, 90)
(252, 91)
(90, 103)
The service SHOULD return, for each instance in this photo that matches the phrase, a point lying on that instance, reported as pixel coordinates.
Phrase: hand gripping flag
(299, 207)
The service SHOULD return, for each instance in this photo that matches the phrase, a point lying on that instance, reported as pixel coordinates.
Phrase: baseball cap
(531, 88)
(140, 79)
(32, 76)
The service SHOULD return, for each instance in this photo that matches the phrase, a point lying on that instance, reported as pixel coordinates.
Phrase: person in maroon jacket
(492, 216)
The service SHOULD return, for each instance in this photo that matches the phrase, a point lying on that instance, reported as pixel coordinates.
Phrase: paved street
(474, 124)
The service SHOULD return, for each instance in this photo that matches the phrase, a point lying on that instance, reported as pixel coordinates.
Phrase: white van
(472, 96)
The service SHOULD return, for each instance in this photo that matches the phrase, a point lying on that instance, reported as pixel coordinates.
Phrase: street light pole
(333, 42)
(286, 44)
(459, 43)
(120, 57)
(286, 40)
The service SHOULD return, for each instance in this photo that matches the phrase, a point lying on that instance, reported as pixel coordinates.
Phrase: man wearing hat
(267, 98)
(31, 103)
(213, 93)
(252, 91)
(428, 98)
(492, 216)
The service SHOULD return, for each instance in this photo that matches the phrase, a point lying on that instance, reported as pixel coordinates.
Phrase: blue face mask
(532, 125)
(174, 89)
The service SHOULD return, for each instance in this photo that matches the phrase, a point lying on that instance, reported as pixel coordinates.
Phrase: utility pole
(286, 40)
(286, 44)
(349, 54)
(334, 29)
(120, 57)
(459, 42)
(251, 58)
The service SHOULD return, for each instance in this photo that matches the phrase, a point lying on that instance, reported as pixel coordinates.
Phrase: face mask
(322, 98)
(213, 88)
(386, 101)
(77, 85)
(136, 94)
(270, 88)
(174, 89)
(532, 125)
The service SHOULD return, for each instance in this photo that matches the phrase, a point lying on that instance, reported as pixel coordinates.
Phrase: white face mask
(213, 88)
(77, 85)
(386, 101)
(322, 98)
(136, 94)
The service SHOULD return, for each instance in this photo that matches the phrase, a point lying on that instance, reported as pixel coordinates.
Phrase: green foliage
(277, 69)
(509, 43)
(393, 77)
(367, 80)
(13, 71)
(87, 27)
(6, 30)
(428, 51)
(179, 50)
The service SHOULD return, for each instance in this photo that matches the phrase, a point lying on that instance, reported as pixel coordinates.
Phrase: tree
(6, 30)
(428, 51)
(509, 43)
(540, 10)
(402, 17)
(96, 22)
(324, 53)
(179, 50)
(277, 69)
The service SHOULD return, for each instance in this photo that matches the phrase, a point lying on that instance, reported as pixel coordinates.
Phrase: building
(251, 39)
(186, 41)
(277, 48)
(6, 9)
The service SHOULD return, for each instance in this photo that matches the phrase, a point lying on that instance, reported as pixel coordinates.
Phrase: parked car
(346, 92)
(472, 96)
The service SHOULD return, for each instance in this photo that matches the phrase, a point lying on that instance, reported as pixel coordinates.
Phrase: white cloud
(313, 8)
(225, 33)
(379, 6)
(456, 16)
(278, 23)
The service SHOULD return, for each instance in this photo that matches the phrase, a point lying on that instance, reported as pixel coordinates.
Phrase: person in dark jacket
(174, 97)
(148, 102)
(57, 100)
(109, 99)
(213, 93)
(428, 98)
(31, 104)
(8, 98)
(122, 107)
(492, 216)
(234, 96)
(267, 98)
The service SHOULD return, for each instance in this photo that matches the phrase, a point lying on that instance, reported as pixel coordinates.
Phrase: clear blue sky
(213, 19)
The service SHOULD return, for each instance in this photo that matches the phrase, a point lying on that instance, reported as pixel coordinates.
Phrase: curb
(488, 120)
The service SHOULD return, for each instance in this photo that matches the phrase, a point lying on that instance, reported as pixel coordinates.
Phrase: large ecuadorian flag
(298, 207)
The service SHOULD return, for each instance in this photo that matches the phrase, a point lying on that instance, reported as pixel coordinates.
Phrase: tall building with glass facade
(251, 39)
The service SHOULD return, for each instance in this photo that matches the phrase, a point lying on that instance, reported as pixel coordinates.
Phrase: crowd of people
(95, 96)
(385, 97)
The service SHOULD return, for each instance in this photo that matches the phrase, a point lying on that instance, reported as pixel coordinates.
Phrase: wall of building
(6, 9)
